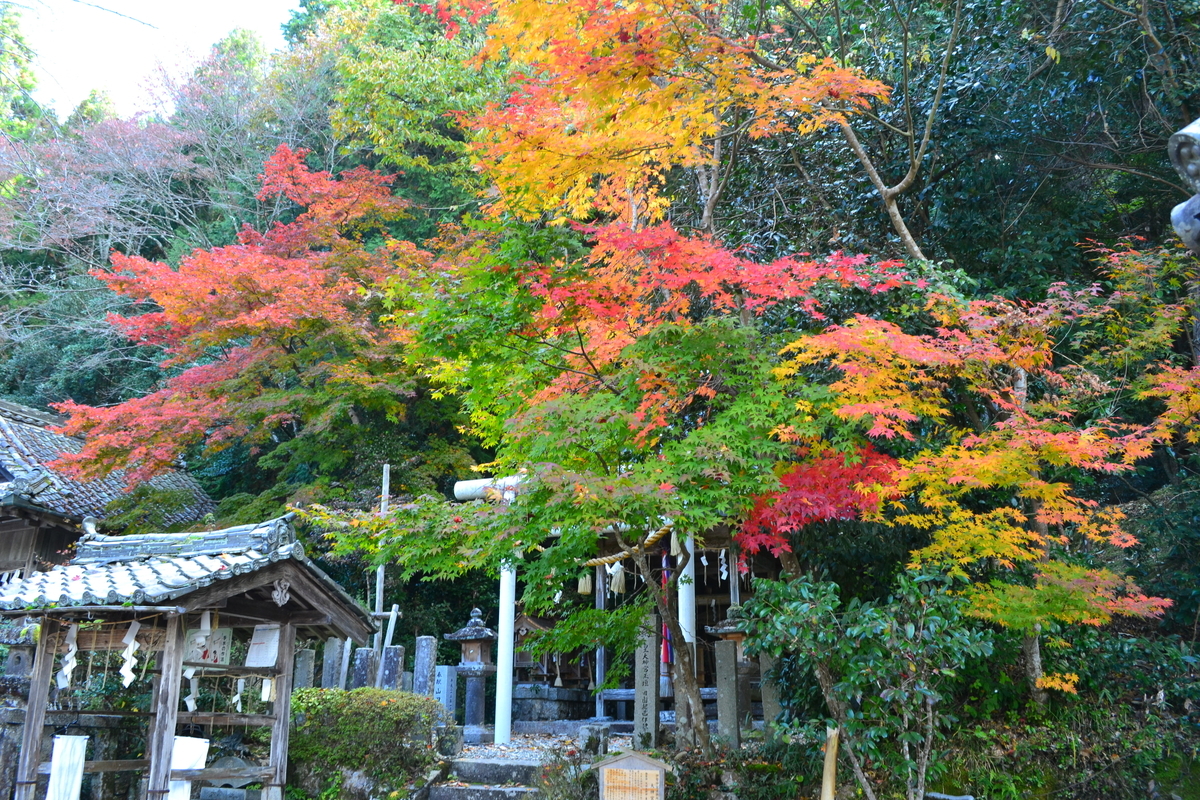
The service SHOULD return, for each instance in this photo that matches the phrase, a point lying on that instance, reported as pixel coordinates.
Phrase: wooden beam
(220, 718)
(304, 584)
(218, 774)
(166, 709)
(273, 788)
(35, 712)
(321, 596)
(271, 613)
(232, 670)
(127, 765)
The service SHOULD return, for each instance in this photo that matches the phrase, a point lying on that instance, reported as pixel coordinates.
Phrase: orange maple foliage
(637, 280)
(608, 94)
(257, 327)
(994, 362)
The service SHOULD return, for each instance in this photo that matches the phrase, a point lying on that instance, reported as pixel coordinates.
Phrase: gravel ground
(532, 747)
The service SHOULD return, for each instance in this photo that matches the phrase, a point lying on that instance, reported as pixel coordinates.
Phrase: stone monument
(425, 665)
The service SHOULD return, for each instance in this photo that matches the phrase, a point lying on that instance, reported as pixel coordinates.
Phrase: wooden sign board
(214, 649)
(632, 776)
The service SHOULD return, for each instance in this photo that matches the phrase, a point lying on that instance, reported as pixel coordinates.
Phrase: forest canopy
(884, 291)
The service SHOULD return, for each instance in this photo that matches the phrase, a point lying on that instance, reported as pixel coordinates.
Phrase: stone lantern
(1184, 151)
(476, 664)
(728, 630)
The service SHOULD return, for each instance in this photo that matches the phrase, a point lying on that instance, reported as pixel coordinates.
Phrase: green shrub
(388, 736)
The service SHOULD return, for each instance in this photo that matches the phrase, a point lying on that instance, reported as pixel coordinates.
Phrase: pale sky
(80, 46)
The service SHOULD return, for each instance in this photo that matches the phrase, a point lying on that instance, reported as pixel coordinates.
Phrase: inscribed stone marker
(728, 709)
(772, 707)
(302, 677)
(646, 700)
(425, 665)
(366, 666)
(393, 666)
(444, 687)
(331, 664)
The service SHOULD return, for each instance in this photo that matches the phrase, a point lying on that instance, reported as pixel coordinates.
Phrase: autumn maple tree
(270, 342)
(997, 423)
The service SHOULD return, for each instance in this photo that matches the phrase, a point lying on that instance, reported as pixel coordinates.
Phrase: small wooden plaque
(632, 776)
(631, 784)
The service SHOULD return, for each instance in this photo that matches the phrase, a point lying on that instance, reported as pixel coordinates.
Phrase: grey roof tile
(156, 568)
(28, 444)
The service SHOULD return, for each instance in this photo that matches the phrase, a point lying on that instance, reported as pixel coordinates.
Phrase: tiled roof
(27, 445)
(159, 567)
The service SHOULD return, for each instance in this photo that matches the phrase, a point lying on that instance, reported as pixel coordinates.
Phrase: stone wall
(537, 702)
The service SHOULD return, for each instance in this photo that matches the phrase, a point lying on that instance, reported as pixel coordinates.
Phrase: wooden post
(166, 709)
(600, 594)
(283, 713)
(35, 712)
(829, 774)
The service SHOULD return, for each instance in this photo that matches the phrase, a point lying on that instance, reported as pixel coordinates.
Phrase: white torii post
(505, 629)
(504, 652)
(687, 595)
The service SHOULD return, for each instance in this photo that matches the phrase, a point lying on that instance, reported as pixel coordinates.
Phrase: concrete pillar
(393, 667)
(646, 702)
(505, 643)
(302, 675)
(366, 664)
(728, 696)
(425, 665)
(331, 664)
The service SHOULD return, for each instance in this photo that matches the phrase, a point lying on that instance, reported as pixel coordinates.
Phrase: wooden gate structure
(249, 576)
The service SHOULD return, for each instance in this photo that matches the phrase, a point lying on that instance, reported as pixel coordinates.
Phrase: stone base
(538, 702)
(479, 734)
(222, 793)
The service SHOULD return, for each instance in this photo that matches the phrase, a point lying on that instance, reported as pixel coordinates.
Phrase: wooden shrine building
(42, 510)
(171, 594)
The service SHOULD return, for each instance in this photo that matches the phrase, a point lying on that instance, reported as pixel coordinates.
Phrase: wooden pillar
(283, 712)
(35, 712)
(166, 709)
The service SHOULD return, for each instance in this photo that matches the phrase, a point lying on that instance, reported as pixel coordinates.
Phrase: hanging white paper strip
(188, 752)
(63, 679)
(128, 660)
(193, 690)
(268, 690)
(66, 767)
(236, 700)
(723, 565)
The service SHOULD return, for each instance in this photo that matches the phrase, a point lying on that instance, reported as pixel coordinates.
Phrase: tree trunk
(691, 731)
(1031, 649)
(1031, 646)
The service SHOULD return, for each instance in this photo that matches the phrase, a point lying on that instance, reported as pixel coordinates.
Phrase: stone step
(495, 771)
(443, 791)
